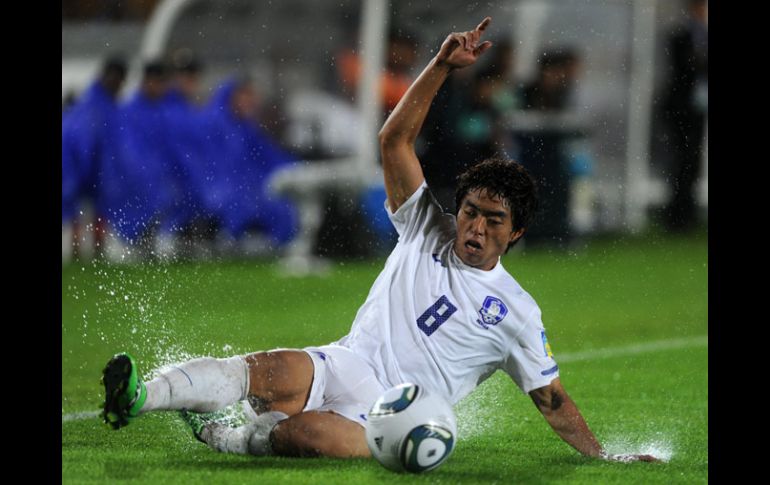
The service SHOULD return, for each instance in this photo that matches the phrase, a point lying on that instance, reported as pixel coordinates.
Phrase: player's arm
(401, 168)
(565, 419)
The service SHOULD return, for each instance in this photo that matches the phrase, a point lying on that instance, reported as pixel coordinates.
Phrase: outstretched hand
(462, 49)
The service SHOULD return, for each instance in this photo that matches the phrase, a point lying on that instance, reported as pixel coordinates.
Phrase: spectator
(139, 184)
(240, 158)
(187, 69)
(545, 152)
(401, 58)
(187, 221)
(552, 89)
(686, 110)
(84, 128)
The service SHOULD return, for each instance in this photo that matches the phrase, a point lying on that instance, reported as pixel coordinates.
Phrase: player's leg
(332, 422)
(204, 384)
(327, 420)
(252, 438)
(307, 434)
(281, 379)
(319, 433)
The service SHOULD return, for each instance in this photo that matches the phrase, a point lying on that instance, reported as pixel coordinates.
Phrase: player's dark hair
(506, 179)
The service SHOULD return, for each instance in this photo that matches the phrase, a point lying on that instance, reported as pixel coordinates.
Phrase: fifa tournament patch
(546, 345)
(492, 312)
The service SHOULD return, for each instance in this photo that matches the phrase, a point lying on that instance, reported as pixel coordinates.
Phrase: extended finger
(480, 49)
(483, 24)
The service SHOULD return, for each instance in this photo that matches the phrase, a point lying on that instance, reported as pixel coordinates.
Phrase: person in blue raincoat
(187, 139)
(139, 184)
(84, 131)
(240, 159)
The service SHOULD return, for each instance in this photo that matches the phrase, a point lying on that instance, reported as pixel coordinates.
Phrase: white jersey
(435, 321)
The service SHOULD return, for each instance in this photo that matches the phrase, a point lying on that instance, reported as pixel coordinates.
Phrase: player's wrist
(442, 65)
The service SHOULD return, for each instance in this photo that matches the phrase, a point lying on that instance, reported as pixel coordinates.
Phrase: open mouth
(473, 246)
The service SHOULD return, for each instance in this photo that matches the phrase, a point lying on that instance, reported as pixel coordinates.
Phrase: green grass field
(615, 294)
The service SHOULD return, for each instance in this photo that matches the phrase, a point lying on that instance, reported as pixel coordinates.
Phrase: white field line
(78, 416)
(654, 346)
(595, 354)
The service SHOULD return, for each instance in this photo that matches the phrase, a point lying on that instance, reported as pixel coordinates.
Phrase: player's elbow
(387, 137)
(391, 138)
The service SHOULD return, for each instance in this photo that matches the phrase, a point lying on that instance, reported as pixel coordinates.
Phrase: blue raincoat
(240, 158)
(187, 145)
(140, 182)
(84, 131)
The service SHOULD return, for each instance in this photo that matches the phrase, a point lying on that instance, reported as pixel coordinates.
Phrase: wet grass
(609, 293)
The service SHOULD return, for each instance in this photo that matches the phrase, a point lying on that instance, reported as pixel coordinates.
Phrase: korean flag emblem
(492, 311)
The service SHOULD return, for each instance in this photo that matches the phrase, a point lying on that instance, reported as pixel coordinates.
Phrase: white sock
(249, 439)
(201, 385)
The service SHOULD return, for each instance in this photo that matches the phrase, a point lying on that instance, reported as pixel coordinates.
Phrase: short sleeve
(529, 360)
(419, 211)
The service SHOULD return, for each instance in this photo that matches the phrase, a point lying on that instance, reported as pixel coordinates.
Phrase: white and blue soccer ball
(410, 429)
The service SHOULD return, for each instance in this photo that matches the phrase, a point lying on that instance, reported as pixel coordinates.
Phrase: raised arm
(565, 419)
(401, 168)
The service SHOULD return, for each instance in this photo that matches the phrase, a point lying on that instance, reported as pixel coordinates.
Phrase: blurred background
(207, 129)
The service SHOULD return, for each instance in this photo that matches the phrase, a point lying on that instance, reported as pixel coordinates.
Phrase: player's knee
(274, 364)
(279, 380)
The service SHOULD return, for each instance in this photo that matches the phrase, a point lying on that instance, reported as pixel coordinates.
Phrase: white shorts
(342, 382)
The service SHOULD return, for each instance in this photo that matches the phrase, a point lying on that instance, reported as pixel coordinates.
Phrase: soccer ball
(410, 429)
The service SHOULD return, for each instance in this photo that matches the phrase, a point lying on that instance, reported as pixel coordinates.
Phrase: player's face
(484, 229)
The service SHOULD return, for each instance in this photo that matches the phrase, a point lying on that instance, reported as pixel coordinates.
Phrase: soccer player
(443, 313)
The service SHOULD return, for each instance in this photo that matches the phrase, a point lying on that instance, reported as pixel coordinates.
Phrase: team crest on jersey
(492, 311)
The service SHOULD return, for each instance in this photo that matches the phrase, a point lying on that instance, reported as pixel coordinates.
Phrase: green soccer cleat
(125, 393)
(197, 422)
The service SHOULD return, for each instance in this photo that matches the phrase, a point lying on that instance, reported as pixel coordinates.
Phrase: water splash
(660, 447)
(166, 358)
(126, 308)
(477, 414)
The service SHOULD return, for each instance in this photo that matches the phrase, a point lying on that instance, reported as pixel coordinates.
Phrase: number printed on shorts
(437, 314)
